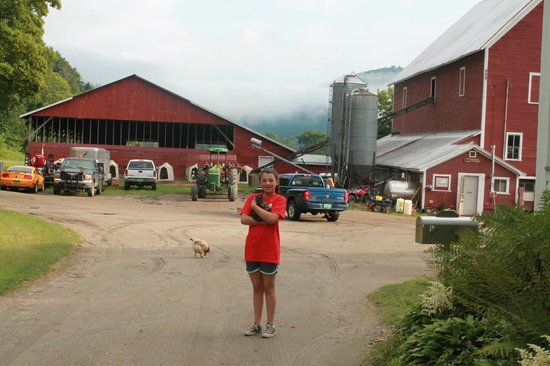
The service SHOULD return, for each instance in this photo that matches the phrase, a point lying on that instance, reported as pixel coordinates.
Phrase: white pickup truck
(140, 173)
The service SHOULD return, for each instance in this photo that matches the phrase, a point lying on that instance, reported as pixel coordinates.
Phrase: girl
(262, 248)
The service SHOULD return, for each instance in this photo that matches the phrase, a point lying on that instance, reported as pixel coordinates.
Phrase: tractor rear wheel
(194, 192)
(232, 192)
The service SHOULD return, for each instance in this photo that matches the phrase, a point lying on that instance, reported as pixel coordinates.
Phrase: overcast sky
(245, 59)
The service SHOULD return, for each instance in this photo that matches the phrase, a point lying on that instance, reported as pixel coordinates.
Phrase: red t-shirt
(263, 243)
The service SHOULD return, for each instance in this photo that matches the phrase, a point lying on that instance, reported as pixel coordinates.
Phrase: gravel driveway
(134, 294)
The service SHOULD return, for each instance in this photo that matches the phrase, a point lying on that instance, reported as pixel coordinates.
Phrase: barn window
(534, 87)
(263, 160)
(404, 99)
(501, 185)
(432, 88)
(513, 145)
(442, 182)
(462, 81)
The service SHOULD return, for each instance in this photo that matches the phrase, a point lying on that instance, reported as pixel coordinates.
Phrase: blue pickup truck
(307, 193)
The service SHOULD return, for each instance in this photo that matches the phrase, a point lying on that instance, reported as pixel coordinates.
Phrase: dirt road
(134, 294)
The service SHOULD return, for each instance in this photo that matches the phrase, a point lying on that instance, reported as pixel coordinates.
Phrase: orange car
(22, 177)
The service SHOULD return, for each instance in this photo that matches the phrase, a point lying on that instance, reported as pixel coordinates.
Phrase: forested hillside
(316, 119)
(32, 74)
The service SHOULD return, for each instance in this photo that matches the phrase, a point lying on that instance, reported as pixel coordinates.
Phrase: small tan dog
(200, 247)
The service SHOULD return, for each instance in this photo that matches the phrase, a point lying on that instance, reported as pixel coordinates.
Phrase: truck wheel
(332, 216)
(56, 189)
(154, 187)
(292, 212)
(99, 188)
(194, 192)
(126, 186)
(91, 192)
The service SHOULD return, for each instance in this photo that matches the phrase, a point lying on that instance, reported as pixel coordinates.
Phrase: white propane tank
(399, 205)
(407, 207)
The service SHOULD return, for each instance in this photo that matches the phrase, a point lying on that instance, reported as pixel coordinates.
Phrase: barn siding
(463, 164)
(512, 58)
(132, 99)
(449, 112)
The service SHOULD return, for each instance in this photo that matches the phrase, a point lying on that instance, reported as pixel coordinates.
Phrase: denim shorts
(263, 267)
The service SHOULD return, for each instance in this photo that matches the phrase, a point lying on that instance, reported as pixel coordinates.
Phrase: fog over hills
(316, 117)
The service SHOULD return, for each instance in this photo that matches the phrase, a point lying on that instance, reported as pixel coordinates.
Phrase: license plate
(327, 205)
(15, 182)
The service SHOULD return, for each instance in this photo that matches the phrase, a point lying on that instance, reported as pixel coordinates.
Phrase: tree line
(32, 74)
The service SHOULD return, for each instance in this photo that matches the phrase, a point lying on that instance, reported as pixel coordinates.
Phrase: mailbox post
(441, 230)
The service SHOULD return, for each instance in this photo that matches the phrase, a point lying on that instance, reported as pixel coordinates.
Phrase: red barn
(478, 82)
(134, 118)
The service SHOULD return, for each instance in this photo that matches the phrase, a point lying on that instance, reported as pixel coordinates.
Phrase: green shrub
(452, 341)
(503, 271)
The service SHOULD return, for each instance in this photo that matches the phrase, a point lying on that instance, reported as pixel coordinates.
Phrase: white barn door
(470, 194)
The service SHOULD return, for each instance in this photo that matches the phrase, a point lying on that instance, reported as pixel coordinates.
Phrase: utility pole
(543, 135)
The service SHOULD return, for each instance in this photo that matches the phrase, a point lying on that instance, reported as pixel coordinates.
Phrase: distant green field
(9, 157)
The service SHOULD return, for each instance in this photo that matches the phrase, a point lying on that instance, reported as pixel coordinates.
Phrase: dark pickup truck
(74, 175)
(307, 193)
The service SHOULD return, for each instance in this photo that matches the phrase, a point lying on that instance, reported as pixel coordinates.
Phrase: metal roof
(421, 152)
(477, 30)
(313, 159)
(350, 79)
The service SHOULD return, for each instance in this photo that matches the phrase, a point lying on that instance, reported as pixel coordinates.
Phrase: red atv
(362, 193)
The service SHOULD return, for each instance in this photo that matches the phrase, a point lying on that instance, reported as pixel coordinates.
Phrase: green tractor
(215, 176)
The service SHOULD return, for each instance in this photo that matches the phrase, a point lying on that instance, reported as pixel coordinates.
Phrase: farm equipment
(378, 203)
(44, 165)
(216, 175)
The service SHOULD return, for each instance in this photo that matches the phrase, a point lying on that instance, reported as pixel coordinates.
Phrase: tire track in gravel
(312, 353)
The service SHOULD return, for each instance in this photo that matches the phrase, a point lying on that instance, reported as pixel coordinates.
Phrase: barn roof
(81, 95)
(420, 152)
(477, 30)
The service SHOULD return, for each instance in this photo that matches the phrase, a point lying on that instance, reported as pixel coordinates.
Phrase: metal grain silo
(352, 129)
(362, 138)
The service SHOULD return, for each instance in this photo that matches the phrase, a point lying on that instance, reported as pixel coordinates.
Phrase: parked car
(140, 173)
(22, 178)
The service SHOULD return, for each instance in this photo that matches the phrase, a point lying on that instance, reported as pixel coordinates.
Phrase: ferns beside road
(493, 296)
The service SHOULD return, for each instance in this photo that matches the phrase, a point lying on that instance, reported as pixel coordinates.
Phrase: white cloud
(244, 58)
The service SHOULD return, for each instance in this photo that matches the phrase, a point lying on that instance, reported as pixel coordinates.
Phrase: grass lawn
(29, 246)
(9, 158)
(392, 303)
